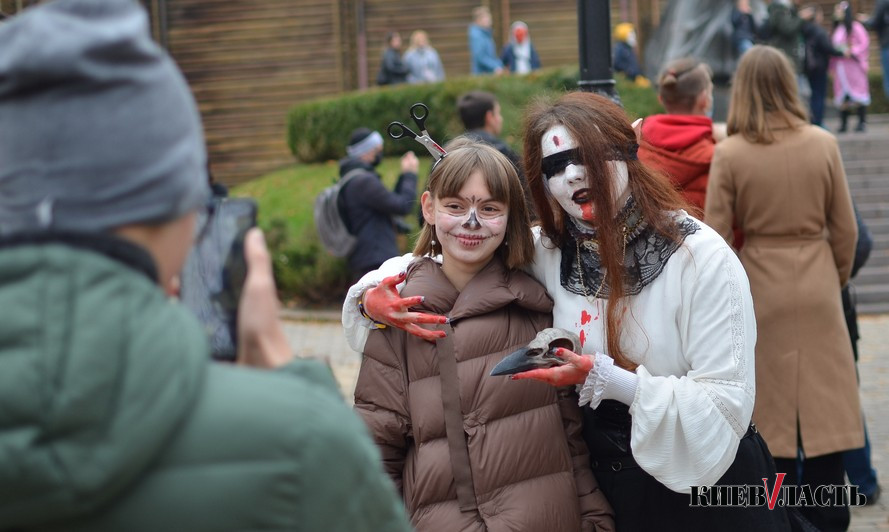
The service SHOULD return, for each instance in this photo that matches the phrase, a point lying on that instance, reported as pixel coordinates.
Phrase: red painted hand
(574, 372)
(383, 304)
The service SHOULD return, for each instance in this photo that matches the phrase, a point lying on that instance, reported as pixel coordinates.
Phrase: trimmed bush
(318, 130)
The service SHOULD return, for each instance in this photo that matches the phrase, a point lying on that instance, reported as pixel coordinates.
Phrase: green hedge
(879, 101)
(318, 130)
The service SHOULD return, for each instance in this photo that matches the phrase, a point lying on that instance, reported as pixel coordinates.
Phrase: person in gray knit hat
(113, 416)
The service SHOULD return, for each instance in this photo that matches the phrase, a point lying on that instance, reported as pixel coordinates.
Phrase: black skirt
(642, 503)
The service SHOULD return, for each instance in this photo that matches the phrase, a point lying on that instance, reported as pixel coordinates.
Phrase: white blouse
(692, 331)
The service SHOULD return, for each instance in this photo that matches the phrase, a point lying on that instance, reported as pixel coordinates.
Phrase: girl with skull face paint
(469, 452)
(664, 313)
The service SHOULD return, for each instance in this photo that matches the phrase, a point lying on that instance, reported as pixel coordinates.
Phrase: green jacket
(112, 418)
(785, 30)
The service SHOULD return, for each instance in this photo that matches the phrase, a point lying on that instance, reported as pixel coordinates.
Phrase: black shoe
(861, 127)
(873, 498)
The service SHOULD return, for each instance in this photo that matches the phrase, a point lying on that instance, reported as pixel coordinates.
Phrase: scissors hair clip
(419, 112)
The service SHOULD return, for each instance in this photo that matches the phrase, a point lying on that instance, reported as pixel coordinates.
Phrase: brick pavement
(322, 338)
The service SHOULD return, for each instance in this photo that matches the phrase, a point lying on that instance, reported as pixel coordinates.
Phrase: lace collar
(646, 253)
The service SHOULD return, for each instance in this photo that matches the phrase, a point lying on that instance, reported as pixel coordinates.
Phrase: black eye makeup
(553, 165)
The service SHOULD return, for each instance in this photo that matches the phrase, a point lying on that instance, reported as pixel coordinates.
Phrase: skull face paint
(566, 178)
(472, 222)
(470, 226)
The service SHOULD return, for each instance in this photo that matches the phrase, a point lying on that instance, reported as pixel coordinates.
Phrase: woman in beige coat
(783, 181)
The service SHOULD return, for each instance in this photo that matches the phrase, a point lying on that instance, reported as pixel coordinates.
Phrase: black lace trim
(646, 255)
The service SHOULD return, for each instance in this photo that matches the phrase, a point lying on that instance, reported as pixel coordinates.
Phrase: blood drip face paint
(470, 226)
(569, 186)
(568, 183)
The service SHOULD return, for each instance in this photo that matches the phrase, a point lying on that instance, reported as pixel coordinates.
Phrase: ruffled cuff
(607, 381)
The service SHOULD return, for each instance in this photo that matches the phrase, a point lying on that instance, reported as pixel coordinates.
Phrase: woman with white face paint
(665, 319)
(469, 452)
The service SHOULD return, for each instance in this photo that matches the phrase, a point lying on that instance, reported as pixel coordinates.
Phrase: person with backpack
(367, 206)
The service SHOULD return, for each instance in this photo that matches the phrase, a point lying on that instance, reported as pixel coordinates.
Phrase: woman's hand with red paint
(384, 305)
(574, 372)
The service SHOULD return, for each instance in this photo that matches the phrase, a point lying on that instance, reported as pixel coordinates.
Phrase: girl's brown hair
(601, 129)
(681, 82)
(764, 86)
(464, 157)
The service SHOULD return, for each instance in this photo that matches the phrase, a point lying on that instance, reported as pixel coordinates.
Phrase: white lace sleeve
(607, 381)
(355, 326)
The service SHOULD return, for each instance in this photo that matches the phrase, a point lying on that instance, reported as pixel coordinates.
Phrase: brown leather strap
(453, 416)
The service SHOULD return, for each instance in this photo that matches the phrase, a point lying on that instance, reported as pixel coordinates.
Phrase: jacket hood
(492, 288)
(678, 145)
(97, 370)
(676, 132)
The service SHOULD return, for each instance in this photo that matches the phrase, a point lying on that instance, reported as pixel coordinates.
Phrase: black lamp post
(594, 40)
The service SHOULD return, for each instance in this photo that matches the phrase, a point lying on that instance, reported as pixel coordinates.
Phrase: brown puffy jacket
(529, 464)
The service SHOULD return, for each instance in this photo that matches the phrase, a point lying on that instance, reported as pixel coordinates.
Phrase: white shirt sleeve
(355, 326)
(686, 429)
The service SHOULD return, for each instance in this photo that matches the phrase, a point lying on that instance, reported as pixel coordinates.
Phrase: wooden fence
(248, 64)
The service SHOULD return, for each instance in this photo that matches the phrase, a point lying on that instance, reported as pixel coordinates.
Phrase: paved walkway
(323, 339)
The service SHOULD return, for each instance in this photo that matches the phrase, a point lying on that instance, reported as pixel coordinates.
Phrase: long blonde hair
(764, 85)
(464, 157)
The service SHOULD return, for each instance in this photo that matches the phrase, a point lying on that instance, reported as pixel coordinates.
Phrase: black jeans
(819, 471)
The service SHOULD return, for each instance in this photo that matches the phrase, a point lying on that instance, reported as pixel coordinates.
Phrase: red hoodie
(681, 146)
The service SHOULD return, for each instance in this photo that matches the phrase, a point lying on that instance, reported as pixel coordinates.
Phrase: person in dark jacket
(879, 22)
(113, 416)
(857, 462)
(819, 50)
(368, 207)
(393, 70)
(744, 27)
(480, 113)
(625, 60)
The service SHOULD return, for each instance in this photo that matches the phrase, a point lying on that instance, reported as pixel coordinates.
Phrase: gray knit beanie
(98, 128)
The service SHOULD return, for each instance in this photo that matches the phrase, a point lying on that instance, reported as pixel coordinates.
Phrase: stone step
(867, 168)
(872, 308)
(869, 294)
(881, 240)
(874, 210)
(863, 195)
(879, 258)
(877, 224)
(871, 275)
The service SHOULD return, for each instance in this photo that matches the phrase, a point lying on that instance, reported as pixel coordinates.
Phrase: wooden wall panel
(248, 66)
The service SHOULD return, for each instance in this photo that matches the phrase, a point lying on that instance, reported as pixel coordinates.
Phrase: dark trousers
(819, 471)
(818, 83)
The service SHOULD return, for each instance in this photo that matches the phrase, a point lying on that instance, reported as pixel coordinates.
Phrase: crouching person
(113, 417)
(469, 451)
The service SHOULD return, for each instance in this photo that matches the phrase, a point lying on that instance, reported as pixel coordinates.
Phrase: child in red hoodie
(680, 143)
